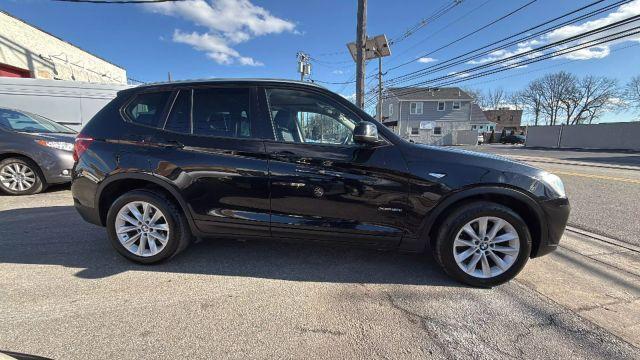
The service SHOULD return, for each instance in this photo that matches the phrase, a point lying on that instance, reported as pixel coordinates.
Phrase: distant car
(35, 152)
(513, 139)
(480, 139)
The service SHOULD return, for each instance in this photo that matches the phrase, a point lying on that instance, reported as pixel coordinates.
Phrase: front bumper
(556, 214)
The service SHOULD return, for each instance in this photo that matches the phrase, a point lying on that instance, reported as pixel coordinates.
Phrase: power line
(548, 46)
(446, 80)
(462, 59)
(466, 35)
(440, 30)
(520, 73)
(422, 23)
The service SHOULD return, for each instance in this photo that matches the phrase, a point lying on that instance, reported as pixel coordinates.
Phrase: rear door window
(222, 112)
(148, 108)
(179, 119)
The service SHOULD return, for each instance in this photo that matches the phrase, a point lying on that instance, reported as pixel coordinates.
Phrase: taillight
(81, 145)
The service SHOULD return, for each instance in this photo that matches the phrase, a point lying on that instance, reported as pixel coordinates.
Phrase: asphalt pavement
(604, 189)
(66, 294)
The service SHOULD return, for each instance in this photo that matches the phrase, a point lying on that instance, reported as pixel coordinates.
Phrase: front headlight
(61, 145)
(555, 183)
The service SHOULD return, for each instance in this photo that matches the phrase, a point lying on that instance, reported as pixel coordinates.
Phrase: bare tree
(515, 99)
(590, 97)
(531, 99)
(495, 98)
(632, 93)
(554, 88)
(477, 97)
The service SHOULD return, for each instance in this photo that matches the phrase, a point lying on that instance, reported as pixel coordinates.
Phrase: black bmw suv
(166, 163)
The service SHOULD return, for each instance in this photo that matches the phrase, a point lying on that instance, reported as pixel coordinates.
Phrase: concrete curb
(602, 238)
(565, 162)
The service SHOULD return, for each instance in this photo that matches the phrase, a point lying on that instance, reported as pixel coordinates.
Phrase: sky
(258, 38)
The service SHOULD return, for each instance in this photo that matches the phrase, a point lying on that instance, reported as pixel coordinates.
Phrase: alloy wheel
(142, 228)
(17, 177)
(486, 247)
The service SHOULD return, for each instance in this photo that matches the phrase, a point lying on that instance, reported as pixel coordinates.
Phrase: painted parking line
(601, 177)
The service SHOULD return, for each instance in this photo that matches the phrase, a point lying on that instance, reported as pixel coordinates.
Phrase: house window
(415, 131)
(440, 105)
(415, 108)
(437, 130)
(390, 109)
(498, 118)
(456, 105)
(473, 127)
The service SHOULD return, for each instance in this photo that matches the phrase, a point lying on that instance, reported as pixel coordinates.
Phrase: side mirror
(366, 133)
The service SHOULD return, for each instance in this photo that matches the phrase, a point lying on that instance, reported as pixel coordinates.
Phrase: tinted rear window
(147, 109)
(222, 112)
(179, 119)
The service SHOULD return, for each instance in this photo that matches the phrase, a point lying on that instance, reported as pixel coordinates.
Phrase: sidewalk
(598, 280)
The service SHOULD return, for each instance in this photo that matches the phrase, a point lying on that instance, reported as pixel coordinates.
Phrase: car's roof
(227, 81)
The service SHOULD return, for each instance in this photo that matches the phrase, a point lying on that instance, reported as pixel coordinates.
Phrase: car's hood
(420, 152)
(458, 168)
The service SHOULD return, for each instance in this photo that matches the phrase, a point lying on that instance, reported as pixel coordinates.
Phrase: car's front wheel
(20, 176)
(483, 244)
(146, 227)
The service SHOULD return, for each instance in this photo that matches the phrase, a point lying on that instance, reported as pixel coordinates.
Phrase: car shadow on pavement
(58, 236)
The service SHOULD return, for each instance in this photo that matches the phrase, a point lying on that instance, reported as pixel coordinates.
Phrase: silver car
(35, 152)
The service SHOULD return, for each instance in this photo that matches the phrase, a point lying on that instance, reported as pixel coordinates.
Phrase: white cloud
(351, 97)
(337, 72)
(458, 74)
(426, 60)
(595, 52)
(228, 23)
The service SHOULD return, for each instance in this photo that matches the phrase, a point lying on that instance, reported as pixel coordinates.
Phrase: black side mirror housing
(366, 133)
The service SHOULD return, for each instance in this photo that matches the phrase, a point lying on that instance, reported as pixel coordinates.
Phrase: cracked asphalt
(66, 294)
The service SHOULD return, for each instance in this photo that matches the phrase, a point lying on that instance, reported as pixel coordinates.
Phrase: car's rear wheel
(20, 176)
(483, 244)
(146, 227)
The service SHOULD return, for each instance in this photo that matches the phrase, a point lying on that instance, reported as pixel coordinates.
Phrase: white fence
(614, 136)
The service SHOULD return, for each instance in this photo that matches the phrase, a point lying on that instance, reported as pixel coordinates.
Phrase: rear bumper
(556, 214)
(89, 214)
(56, 166)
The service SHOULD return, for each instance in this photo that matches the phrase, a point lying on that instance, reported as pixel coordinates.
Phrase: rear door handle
(171, 144)
(284, 153)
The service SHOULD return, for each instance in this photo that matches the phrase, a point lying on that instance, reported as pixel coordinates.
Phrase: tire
(30, 175)
(178, 235)
(452, 229)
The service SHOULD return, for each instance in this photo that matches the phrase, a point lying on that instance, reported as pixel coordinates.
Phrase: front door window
(303, 117)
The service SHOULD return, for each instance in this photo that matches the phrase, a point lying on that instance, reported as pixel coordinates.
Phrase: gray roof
(477, 115)
(420, 93)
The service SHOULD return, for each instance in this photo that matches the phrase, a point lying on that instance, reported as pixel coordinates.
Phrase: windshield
(32, 123)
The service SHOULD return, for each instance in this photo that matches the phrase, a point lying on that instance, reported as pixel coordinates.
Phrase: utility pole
(304, 67)
(379, 86)
(361, 40)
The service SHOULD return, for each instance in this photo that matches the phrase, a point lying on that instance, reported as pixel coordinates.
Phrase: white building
(29, 52)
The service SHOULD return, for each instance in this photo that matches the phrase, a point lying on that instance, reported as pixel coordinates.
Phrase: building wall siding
(48, 57)
(431, 113)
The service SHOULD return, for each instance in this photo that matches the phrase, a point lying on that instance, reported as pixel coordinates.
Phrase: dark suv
(165, 163)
